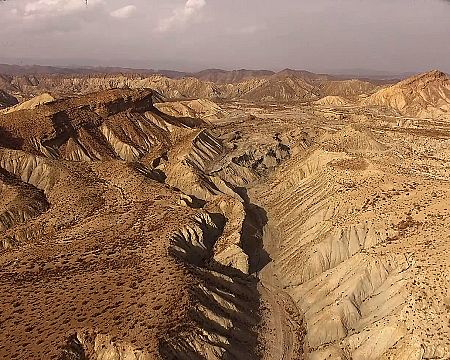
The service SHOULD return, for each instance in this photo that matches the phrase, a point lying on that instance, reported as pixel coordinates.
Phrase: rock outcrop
(6, 99)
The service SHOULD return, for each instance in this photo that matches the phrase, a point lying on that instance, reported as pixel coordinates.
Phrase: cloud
(51, 8)
(182, 15)
(124, 12)
(51, 16)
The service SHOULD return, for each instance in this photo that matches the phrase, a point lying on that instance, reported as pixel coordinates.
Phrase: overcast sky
(317, 35)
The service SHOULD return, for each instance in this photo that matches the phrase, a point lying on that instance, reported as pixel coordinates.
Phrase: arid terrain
(224, 215)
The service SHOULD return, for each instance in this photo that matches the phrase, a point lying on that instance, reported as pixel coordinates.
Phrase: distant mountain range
(425, 95)
(218, 76)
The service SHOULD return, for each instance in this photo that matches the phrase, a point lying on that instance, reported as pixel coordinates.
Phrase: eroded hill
(285, 86)
(104, 258)
(425, 95)
(138, 228)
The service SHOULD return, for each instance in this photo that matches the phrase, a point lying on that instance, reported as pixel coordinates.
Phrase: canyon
(231, 215)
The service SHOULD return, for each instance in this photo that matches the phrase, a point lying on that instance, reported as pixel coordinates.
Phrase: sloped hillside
(199, 108)
(6, 99)
(30, 104)
(229, 77)
(424, 95)
(332, 101)
(357, 237)
(282, 89)
(346, 88)
(115, 124)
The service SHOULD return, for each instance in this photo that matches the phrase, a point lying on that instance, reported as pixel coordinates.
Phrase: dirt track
(283, 335)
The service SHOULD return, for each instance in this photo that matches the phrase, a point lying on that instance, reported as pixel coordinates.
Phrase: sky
(392, 36)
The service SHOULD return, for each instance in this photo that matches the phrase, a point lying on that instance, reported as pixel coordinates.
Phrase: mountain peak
(433, 75)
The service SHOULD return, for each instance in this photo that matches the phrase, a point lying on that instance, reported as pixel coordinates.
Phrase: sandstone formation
(100, 258)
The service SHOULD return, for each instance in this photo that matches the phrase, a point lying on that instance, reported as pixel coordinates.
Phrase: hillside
(230, 77)
(346, 88)
(424, 95)
(6, 99)
(284, 88)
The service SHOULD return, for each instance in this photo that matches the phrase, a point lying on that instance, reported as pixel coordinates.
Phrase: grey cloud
(320, 35)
